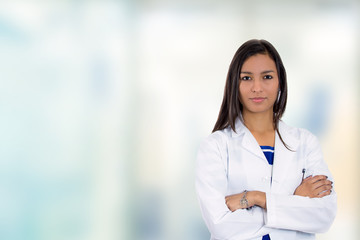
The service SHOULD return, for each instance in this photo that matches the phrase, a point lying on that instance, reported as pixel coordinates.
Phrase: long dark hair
(231, 106)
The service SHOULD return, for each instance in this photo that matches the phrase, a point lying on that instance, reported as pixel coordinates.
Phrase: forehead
(258, 63)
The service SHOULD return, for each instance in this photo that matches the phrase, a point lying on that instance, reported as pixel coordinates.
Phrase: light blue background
(103, 105)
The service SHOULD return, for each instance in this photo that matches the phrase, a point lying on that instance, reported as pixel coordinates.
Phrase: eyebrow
(264, 72)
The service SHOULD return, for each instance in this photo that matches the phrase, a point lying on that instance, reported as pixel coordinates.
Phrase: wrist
(260, 199)
(244, 202)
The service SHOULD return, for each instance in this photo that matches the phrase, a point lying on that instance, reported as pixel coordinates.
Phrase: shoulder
(218, 138)
(301, 134)
(213, 150)
(216, 144)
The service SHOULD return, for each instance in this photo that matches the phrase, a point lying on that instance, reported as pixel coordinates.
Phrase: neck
(258, 122)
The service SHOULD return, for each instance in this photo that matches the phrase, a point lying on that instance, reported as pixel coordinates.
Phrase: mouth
(257, 99)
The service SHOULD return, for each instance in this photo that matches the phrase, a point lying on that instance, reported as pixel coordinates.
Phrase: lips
(257, 99)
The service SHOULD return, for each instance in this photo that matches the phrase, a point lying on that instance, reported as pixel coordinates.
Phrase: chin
(259, 110)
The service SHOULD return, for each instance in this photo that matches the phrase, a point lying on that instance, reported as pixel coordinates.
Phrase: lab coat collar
(285, 131)
(248, 141)
(281, 152)
(240, 128)
(288, 135)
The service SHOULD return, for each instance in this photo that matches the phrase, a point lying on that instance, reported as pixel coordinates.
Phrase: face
(259, 84)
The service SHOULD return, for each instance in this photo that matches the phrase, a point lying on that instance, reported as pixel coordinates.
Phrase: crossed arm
(310, 207)
(312, 187)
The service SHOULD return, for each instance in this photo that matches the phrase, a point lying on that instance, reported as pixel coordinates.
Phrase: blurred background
(103, 105)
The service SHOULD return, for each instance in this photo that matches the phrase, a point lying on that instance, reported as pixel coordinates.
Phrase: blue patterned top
(269, 153)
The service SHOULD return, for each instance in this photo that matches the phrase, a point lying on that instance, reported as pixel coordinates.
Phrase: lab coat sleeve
(211, 187)
(311, 215)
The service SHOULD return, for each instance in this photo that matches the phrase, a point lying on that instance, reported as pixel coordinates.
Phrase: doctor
(256, 177)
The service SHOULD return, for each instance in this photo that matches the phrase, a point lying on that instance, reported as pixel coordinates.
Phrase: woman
(256, 177)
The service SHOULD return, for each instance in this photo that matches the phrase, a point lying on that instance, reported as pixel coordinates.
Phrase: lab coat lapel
(248, 142)
(283, 157)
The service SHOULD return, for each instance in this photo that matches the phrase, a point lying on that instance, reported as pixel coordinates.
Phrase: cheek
(273, 90)
(242, 93)
(243, 88)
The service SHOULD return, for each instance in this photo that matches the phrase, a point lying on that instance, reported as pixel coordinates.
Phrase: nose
(257, 85)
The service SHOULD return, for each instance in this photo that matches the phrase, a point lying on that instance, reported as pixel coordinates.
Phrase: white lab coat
(230, 162)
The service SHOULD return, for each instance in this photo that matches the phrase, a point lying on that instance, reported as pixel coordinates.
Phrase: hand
(254, 198)
(314, 187)
(233, 201)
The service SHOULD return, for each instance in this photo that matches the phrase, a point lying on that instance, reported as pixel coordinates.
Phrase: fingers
(311, 179)
(321, 183)
(228, 198)
(314, 187)
(308, 178)
(324, 193)
(229, 205)
(233, 202)
(232, 209)
(321, 189)
(316, 178)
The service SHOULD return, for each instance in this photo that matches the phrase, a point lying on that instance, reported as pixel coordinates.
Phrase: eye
(245, 78)
(268, 77)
